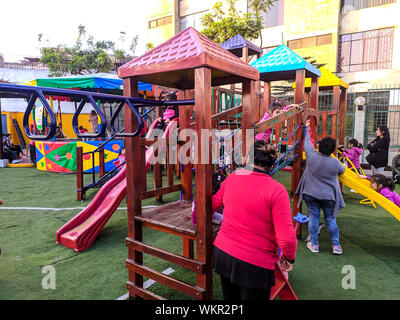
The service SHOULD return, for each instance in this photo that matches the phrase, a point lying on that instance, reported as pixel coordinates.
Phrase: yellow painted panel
(66, 124)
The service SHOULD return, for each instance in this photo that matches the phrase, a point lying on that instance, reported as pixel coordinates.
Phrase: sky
(21, 21)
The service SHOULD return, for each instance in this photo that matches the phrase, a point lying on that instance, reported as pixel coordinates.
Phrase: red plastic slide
(81, 231)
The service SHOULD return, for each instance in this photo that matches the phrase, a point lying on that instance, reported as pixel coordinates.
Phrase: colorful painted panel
(60, 156)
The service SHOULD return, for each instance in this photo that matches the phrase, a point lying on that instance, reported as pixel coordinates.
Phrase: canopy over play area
(172, 63)
(237, 43)
(282, 64)
(327, 81)
(102, 82)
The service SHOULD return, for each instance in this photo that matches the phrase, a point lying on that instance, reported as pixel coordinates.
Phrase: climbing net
(227, 145)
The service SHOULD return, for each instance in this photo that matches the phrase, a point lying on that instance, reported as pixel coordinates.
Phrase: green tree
(220, 26)
(80, 59)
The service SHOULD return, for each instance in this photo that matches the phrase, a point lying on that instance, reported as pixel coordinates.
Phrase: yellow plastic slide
(362, 186)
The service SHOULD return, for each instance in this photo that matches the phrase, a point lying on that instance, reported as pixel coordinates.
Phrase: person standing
(396, 168)
(257, 220)
(379, 150)
(94, 120)
(319, 187)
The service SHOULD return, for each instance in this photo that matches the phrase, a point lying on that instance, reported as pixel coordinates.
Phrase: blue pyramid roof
(281, 64)
(236, 44)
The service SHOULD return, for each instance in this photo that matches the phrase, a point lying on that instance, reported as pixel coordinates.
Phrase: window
(268, 49)
(160, 22)
(192, 20)
(274, 16)
(351, 5)
(363, 51)
(310, 41)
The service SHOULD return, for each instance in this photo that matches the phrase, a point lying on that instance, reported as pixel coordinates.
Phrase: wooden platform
(174, 217)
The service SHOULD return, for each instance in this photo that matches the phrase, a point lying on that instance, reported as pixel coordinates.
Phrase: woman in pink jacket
(257, 220)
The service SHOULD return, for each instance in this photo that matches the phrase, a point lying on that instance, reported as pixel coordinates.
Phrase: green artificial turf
(370, 239)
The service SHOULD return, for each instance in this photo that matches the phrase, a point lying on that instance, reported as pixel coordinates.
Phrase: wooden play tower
(191, 62)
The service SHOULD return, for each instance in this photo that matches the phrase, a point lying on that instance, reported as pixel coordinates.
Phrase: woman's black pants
(233, 291)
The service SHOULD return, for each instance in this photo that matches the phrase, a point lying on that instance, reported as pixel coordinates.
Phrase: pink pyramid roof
(172, 63)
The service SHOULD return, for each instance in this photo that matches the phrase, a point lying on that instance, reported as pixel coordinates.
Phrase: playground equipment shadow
(369, 238)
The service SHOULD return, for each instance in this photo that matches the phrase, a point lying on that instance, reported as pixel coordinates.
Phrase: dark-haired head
(379, 181)
(327, 146)
(217, 179)
(274, 108)
(168, 96)
(383, 132)
(354, 143)
(263, 155)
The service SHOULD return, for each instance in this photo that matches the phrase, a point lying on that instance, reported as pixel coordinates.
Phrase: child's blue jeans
(314, 207)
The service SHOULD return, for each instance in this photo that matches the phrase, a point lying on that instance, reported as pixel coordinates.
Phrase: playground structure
(201, 65)
(212, 66)
(193, 63)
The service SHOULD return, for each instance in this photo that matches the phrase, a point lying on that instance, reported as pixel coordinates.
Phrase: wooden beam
(101, 162)
(225, 114)
(245, 54)
(142, 293)
(297, 169)
(203, 109)
(158, 192)
(79, 173)
(266, 99)
(274, 121)
(178, 285)
(335, 109)
(190, 264)
(188, 248)
(185, 115)
(314, 104)
(342, 112)
(249, 113)
(133, 180)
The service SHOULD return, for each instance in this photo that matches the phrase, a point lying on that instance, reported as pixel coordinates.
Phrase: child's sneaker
(337, 249)
(313, 248)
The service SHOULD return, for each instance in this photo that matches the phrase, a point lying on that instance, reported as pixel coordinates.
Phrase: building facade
(358, 40)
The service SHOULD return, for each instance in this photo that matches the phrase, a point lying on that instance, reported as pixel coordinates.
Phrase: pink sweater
(354, 155)
(257, 219)
(391, 195)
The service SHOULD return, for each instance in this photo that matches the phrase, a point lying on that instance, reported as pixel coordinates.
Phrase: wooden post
(266, 99)
(245, 54)
(187, 248)
(1, 132)
(313, 102)
(157, 174)
(133, 189)
(143, 173)
(342, 108)
(101, 162)
(185, 113)
(203, 109)
(297, 167)
(258, 95)
(79, 173)
(249, 112)
(335, 108)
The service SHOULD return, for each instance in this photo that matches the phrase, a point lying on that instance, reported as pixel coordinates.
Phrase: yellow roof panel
(327, 79)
